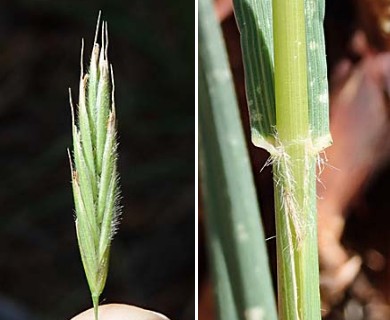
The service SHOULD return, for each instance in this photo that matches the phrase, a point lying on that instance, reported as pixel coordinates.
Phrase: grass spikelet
(94, 168)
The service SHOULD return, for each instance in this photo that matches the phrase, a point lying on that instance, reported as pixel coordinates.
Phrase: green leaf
(254, 19)
(237, 247)
(317, 76)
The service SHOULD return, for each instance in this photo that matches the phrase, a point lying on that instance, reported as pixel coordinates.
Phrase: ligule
(94, 174)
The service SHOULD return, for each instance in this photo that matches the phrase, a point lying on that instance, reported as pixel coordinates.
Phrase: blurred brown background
(152, 51)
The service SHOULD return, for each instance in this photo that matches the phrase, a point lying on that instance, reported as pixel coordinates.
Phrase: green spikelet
(94, 168)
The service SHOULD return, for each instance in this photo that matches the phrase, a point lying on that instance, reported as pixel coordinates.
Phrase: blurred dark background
(152, 51)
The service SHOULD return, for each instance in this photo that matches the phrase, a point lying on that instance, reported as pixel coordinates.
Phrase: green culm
(286, 84)
(284, 59)
(94, 165)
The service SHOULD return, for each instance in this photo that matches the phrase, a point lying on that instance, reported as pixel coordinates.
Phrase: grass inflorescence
(94, 165)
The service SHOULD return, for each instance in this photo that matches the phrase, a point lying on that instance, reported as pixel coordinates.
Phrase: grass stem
(294, 168)
(95, 302)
